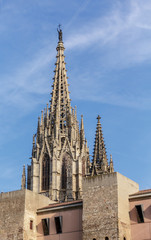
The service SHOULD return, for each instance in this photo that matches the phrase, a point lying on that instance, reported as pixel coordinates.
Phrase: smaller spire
(47, 111)
(99, 162)
(23, 181)
(38, 131)
(82, 137)
(38, 127)
(75, 112)
(111, 168)
(82, 125)
(42, 118)
(33, 149)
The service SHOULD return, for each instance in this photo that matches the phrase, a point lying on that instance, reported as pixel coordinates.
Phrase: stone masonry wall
(33, 201)
(17, 209)
(12, 215)
(100, 207)
(106, 206)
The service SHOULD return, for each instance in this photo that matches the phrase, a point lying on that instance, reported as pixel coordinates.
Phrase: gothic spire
(23, 181)
(99, 162)
(60, 102)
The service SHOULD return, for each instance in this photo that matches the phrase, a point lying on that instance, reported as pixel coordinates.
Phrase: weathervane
(59, 33)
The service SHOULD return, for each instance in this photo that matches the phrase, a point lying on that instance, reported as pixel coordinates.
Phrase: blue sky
(108, 56)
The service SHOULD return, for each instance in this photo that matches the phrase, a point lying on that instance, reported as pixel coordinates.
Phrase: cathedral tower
(60, 156)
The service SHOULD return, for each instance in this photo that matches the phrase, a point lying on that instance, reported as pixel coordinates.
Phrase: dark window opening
(58, 222)
(83, 166)
(94, 238)
(140, 215)
(45, 226)
(64, 173)
(124, 238)
(31, 224)
(45, 172)
(106, 238)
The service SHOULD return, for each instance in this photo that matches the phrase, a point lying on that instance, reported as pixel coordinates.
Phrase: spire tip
(59, 33)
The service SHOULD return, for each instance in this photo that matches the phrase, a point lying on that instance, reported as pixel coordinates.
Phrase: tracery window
(45, 172)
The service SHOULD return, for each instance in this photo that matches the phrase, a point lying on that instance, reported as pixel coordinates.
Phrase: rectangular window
(140, 214)
(58, 222)
(31, 224)
(45, 226)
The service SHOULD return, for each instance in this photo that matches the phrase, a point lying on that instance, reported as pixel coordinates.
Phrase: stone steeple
(100, 163)
(23, 181)
(60, 110)
(60, 155)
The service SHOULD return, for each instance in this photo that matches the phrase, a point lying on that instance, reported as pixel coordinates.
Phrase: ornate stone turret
(60, 155)
(23, 180)
(100, 163)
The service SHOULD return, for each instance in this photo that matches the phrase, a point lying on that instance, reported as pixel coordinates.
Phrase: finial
(23, 181)
(59, 33)
(98, 118)
(111, 167)
(82, 125)
(41, 117)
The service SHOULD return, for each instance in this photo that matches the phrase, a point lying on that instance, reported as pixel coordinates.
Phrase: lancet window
(66, 171)
(83, 166)
(45, 172)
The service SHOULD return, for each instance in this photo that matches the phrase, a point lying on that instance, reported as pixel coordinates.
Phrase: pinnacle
(99, 153)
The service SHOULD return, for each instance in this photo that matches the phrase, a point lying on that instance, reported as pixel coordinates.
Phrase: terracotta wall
(140, 231)
(71, 225)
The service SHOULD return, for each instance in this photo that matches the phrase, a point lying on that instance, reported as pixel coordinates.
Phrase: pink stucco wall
(71, 228)
(140, 231)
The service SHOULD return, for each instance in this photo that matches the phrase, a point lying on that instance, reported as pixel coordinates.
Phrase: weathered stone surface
(12, 206)
(17, 209)
(105, 206)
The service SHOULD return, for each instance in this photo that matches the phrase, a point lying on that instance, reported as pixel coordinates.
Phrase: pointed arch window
(64, 173)
(83, 166)
(66, 179)
(45, 172)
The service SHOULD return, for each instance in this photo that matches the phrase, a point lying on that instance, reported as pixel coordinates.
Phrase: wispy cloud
(118, 30)
(123, 34)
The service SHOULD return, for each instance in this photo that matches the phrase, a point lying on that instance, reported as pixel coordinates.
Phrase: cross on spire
(98, 118)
